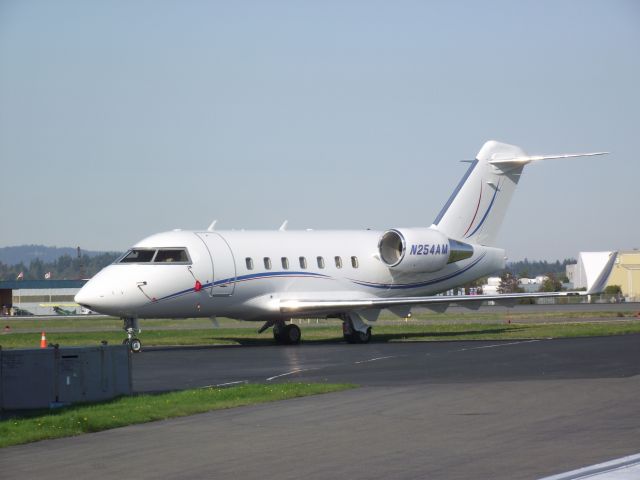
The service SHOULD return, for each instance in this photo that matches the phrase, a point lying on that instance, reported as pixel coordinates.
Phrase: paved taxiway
(521, 409)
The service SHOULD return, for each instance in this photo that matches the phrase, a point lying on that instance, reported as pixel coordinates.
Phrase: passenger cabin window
(249, 262)
(285, 263)
(303, 262)
(171, 255)
(138, 255)
(320, 262)
(338, 262)
(354, 262)
(267, 263)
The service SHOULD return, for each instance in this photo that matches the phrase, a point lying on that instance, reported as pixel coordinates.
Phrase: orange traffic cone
(43, 341)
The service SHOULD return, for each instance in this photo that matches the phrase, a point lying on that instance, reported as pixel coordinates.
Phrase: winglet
(212, 227)
(599, 284)
(283, 227)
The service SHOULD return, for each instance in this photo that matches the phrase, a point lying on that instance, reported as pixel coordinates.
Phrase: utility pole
(81, 264)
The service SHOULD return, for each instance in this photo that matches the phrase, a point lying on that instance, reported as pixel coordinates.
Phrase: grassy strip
(382, 333)
(147, 408)
(108, 323)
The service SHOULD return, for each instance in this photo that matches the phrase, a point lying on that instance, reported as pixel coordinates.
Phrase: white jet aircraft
(274, 276)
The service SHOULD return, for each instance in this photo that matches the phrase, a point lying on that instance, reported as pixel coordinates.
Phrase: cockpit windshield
(138, 256)
(159, 255)
(175, 255)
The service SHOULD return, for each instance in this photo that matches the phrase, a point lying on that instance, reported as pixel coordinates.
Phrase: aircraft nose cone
(88, 298)
(108, 293)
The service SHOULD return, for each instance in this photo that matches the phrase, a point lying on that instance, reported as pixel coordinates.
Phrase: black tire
(125, 341)
(278, 334)
(135, 345)
(350, 338)
(292, 334)
(363, 337)
(358, 337)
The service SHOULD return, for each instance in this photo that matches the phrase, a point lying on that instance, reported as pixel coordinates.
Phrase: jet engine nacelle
(414, 249)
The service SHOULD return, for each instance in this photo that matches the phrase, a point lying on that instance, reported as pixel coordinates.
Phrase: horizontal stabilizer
(499, 161)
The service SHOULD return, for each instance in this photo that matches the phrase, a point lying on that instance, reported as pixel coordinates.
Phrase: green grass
(503, 331)
(333, 333)
(147, 408)
(109, 323)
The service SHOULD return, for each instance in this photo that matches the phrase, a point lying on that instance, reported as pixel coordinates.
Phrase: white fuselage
(245, 274)
(272, 276)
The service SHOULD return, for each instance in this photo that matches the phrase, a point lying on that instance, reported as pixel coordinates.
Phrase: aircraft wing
(437, 302)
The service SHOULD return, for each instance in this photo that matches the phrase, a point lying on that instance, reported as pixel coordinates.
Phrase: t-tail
(477, 206)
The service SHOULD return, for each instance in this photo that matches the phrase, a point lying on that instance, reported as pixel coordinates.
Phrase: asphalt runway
(450, 410)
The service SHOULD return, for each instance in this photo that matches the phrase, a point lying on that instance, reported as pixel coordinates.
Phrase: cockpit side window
(138, 255)
(171, 255)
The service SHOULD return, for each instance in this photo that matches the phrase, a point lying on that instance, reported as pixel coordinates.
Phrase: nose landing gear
(131, 327)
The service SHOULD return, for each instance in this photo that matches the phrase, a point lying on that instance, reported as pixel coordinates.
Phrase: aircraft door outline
(223, 265)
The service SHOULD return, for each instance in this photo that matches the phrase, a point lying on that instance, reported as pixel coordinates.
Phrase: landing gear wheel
(292, 334)
(278, 333)
(135, 345)
(131, 327)
(363, 337)
(358, 337)
(349, 338)
(287, 334)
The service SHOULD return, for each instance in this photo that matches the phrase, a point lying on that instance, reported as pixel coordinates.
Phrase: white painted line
(226, 384)
(292, 372)
(625, 468)
(497, 345)
(374, 359)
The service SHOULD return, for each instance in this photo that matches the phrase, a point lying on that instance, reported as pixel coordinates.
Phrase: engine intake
(420, 250)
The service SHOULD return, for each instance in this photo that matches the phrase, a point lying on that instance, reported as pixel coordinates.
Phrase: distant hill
(27, 253)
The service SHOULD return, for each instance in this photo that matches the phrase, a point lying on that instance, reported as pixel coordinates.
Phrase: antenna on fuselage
(212, 227)
(283, 227)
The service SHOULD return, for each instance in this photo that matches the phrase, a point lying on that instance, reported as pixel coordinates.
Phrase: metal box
(41, 378)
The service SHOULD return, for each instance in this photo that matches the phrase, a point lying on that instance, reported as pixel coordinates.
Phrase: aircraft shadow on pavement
(382, 337)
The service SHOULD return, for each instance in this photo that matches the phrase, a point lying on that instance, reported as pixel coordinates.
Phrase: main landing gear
(286, 334)
(282, 333)
(354, 330)
(131, 327)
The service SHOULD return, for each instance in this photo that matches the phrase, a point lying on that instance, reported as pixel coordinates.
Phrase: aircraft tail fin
(476, 208)
(598, 271)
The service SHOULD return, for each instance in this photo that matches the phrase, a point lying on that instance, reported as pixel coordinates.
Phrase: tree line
(531, 269)
(63, 268)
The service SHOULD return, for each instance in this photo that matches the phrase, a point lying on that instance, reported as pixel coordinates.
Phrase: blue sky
(119, 119)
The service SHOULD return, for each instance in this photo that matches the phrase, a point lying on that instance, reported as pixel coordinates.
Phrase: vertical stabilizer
(477, 206)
